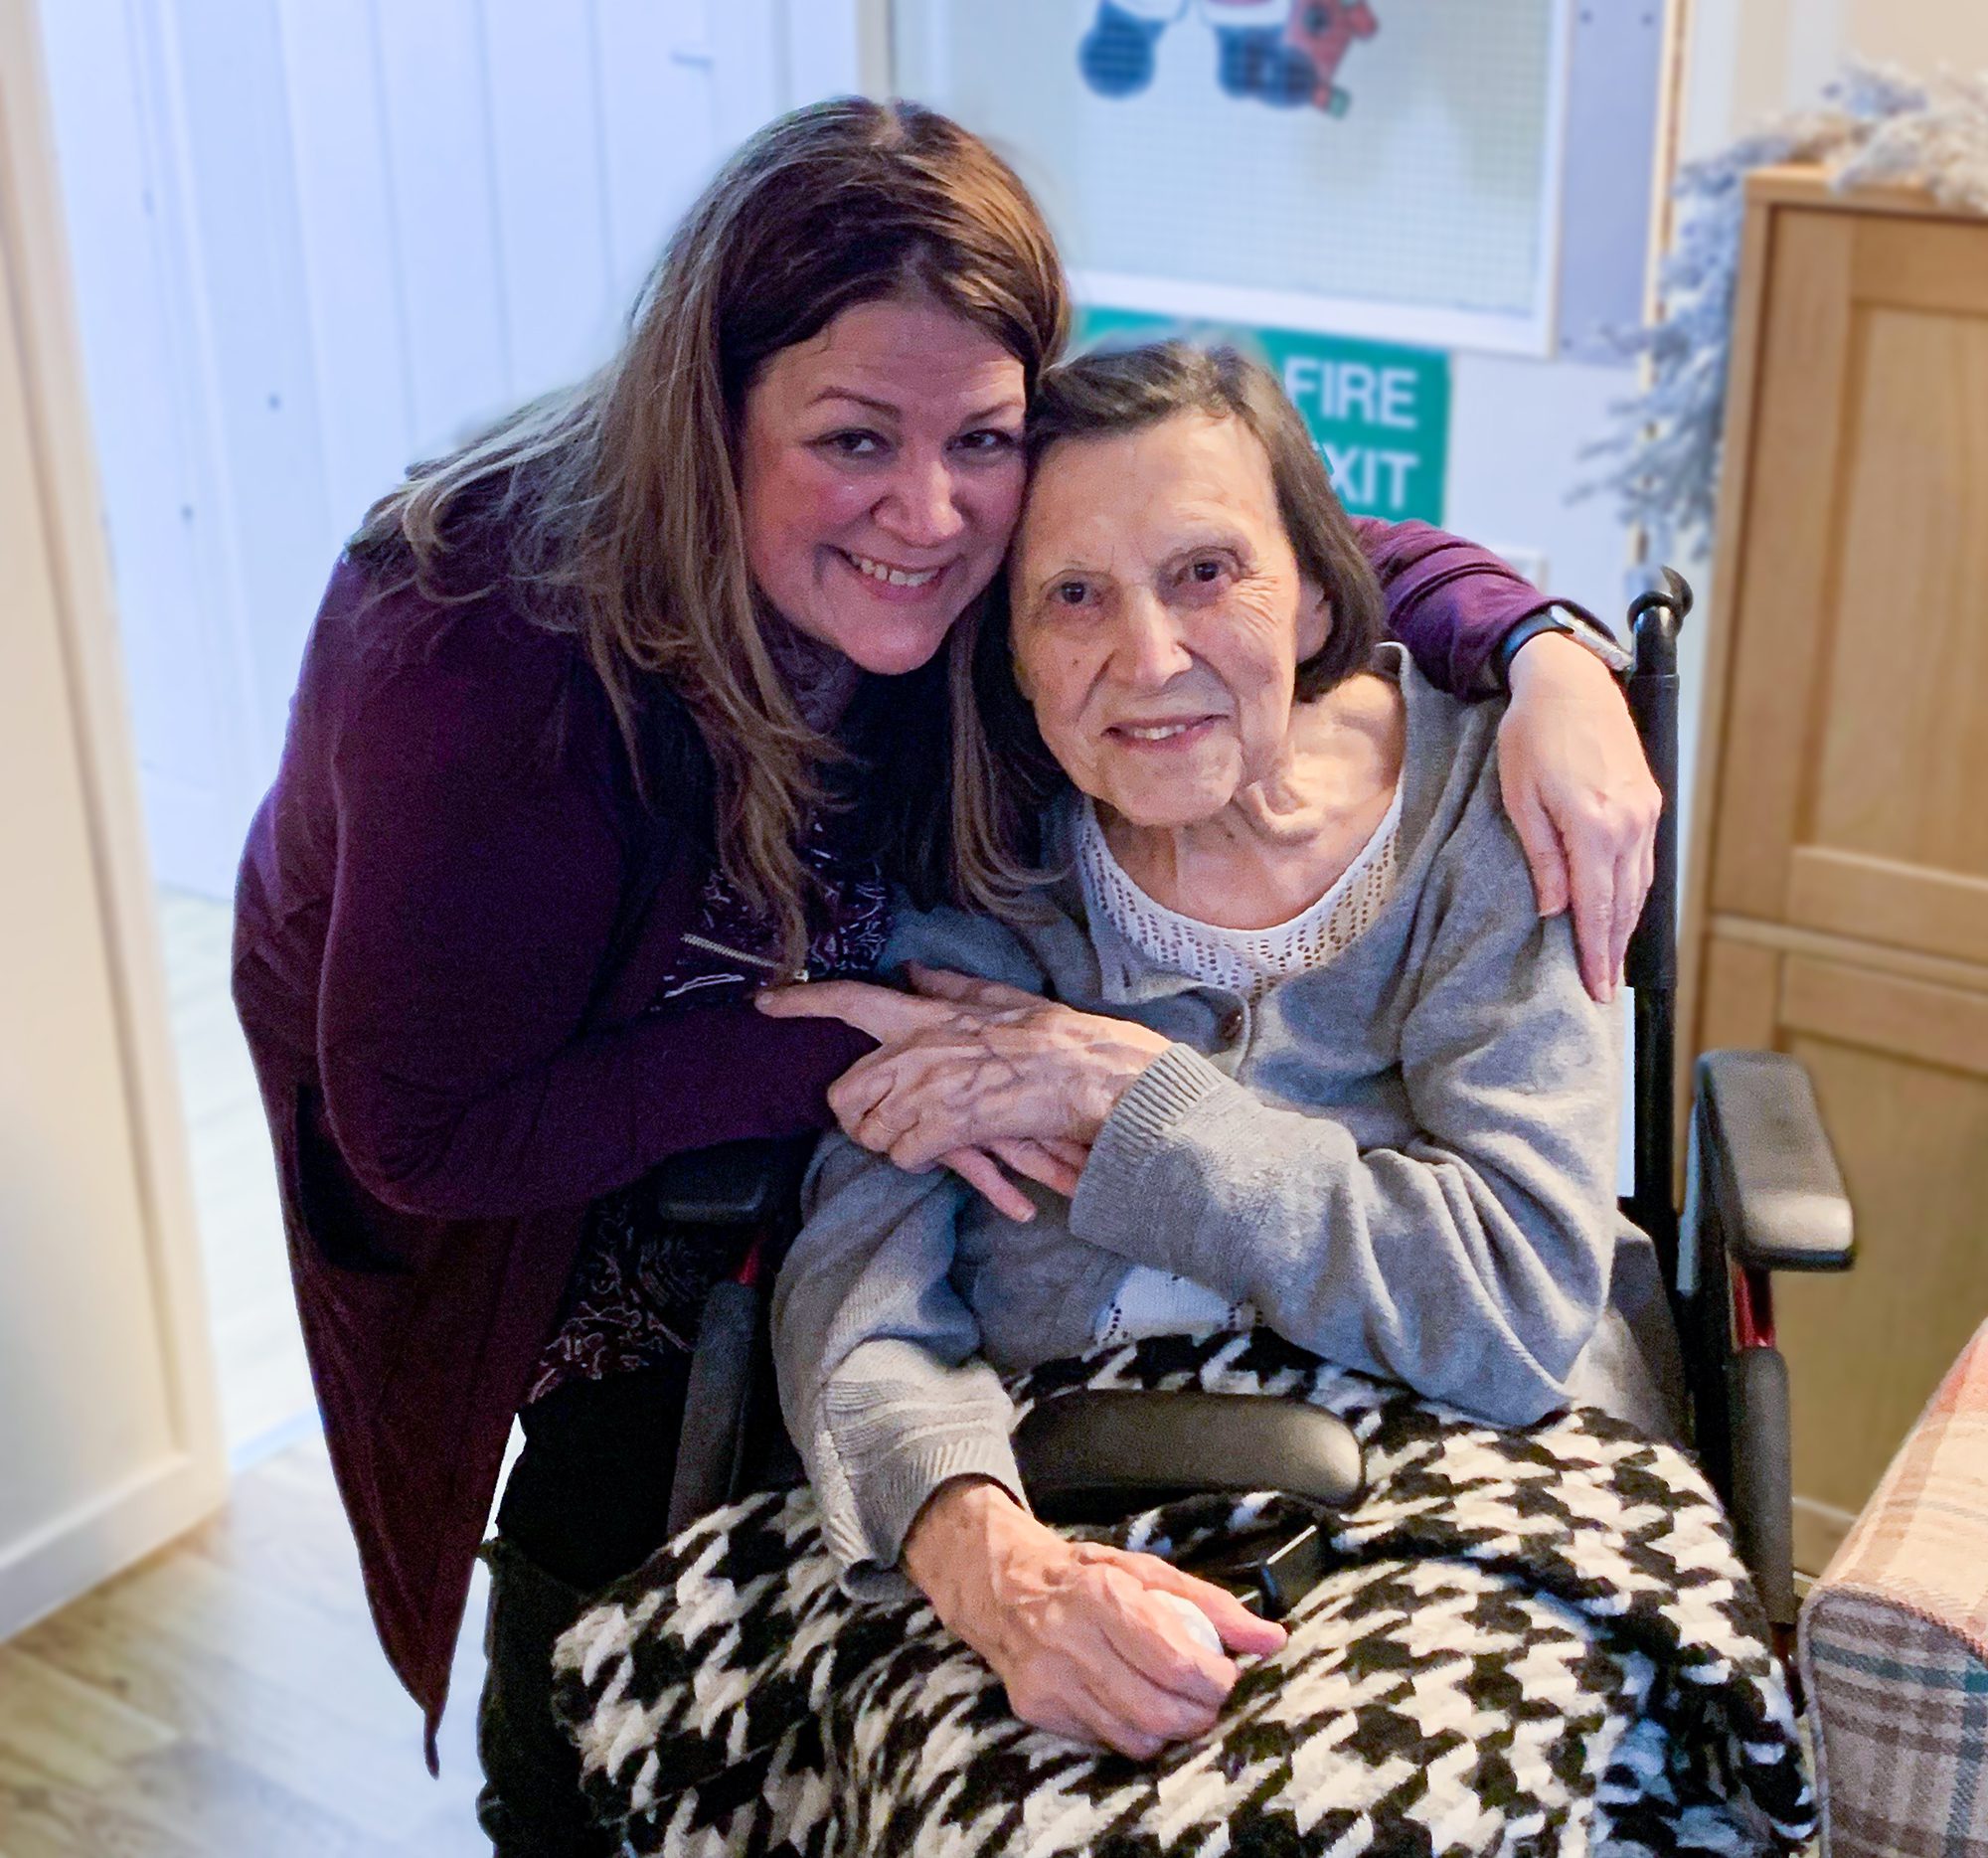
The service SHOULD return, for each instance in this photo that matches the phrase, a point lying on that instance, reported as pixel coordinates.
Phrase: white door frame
(157, 1496)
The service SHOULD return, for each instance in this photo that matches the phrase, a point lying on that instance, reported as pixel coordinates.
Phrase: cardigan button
(1231, 1028)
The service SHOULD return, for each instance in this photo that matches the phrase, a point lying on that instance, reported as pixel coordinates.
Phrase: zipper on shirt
(739, 954)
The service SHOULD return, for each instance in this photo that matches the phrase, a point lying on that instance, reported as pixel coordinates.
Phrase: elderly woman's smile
(1159, 617)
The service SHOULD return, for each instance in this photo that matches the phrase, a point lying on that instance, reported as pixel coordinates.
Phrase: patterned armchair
(1894, 1645)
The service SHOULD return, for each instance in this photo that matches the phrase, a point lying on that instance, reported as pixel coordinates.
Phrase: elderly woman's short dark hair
(1103, 394)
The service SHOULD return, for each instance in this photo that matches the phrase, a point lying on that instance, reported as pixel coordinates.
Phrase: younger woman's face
(880, 474)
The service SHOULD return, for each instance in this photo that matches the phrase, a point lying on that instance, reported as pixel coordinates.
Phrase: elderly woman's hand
(967, 1065)
(1580, 796)
(1076, 1632)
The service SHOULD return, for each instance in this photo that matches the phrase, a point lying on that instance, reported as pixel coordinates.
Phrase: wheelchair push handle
(1655, 619)
(1650, 967)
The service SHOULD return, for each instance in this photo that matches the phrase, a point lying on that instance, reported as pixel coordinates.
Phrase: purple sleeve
(1449, 600)
(478, 882)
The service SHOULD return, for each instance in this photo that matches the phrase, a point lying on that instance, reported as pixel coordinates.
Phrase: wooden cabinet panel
(1792, 441)
(1839, 900)
(1883, 900)
(1854, 753)
(1901, 762)
(1742, 983)
(1900, 1068)
(1920, 263)
(1910, 1019)
(1866, 1351)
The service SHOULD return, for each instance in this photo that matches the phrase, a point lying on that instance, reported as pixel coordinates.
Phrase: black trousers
(587, 1501)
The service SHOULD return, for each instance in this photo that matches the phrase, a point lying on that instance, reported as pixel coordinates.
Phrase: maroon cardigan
(451, 918)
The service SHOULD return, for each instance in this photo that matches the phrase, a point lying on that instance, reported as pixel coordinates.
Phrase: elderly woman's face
(1160, 616)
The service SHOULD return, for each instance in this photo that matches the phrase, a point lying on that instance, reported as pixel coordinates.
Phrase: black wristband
(1544, 619)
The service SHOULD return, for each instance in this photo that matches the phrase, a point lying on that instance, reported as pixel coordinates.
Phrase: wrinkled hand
(969, 1064)
(1579, 793)
(1074, 1630)
(887, 1015)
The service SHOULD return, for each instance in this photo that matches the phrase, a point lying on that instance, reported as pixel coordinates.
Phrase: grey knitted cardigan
(1406, 1160)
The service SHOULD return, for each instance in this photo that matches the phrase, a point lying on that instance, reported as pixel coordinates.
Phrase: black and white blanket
(1533, 1642)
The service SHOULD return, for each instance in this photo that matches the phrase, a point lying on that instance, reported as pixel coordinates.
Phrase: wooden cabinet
(1838, 903)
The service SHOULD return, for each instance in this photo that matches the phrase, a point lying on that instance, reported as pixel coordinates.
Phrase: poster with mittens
(1281, 52)
(1378, 168)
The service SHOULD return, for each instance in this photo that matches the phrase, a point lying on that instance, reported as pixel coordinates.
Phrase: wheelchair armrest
(1766, 1163)
(747, 1183)
(718, 1401)
(1100, 1452)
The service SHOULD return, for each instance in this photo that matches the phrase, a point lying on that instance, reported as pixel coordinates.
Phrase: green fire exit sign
(1378, 414)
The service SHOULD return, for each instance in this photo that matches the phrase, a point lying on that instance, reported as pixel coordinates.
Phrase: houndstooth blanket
(1532, 1641)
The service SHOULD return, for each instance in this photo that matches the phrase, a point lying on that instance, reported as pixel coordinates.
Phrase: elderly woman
(1281, 1000)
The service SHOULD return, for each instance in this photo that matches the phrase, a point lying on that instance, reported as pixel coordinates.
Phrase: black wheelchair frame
(1762, 1194)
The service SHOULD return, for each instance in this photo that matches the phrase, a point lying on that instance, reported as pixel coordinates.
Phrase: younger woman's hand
(1076, 1631)
(967, 1063)
(1581, 798)
(890, 1016)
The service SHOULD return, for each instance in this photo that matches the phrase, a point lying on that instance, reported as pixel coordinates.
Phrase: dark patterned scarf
(639, 1283)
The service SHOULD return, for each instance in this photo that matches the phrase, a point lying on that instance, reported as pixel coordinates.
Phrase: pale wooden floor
(226, 1699)
(265, 1392)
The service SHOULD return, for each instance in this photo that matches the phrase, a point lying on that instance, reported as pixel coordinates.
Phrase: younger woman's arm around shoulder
(1570, 766)
(1449, 602)
(479, 878)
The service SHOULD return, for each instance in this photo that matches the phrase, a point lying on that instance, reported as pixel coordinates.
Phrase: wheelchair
(1762, 1194)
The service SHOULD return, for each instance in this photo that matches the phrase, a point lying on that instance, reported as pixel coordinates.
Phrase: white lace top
(1245, 961)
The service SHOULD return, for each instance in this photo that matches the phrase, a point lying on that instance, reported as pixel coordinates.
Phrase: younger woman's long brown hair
(617, 501)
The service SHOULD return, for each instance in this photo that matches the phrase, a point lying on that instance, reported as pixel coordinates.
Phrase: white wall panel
(750, 63)
(76, 1307)
(444, 197)
(131, 267)
(1751, 59)
(240, 187)
(345, 221)
(659, 133)
(546, 147)
(825, 50)
(110, 1444)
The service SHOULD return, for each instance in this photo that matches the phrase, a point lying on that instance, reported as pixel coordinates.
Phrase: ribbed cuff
(894, 1493)
(881, 1470)
(1118, 1196)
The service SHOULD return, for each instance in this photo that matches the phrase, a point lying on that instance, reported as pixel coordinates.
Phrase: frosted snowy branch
(1876, 127)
